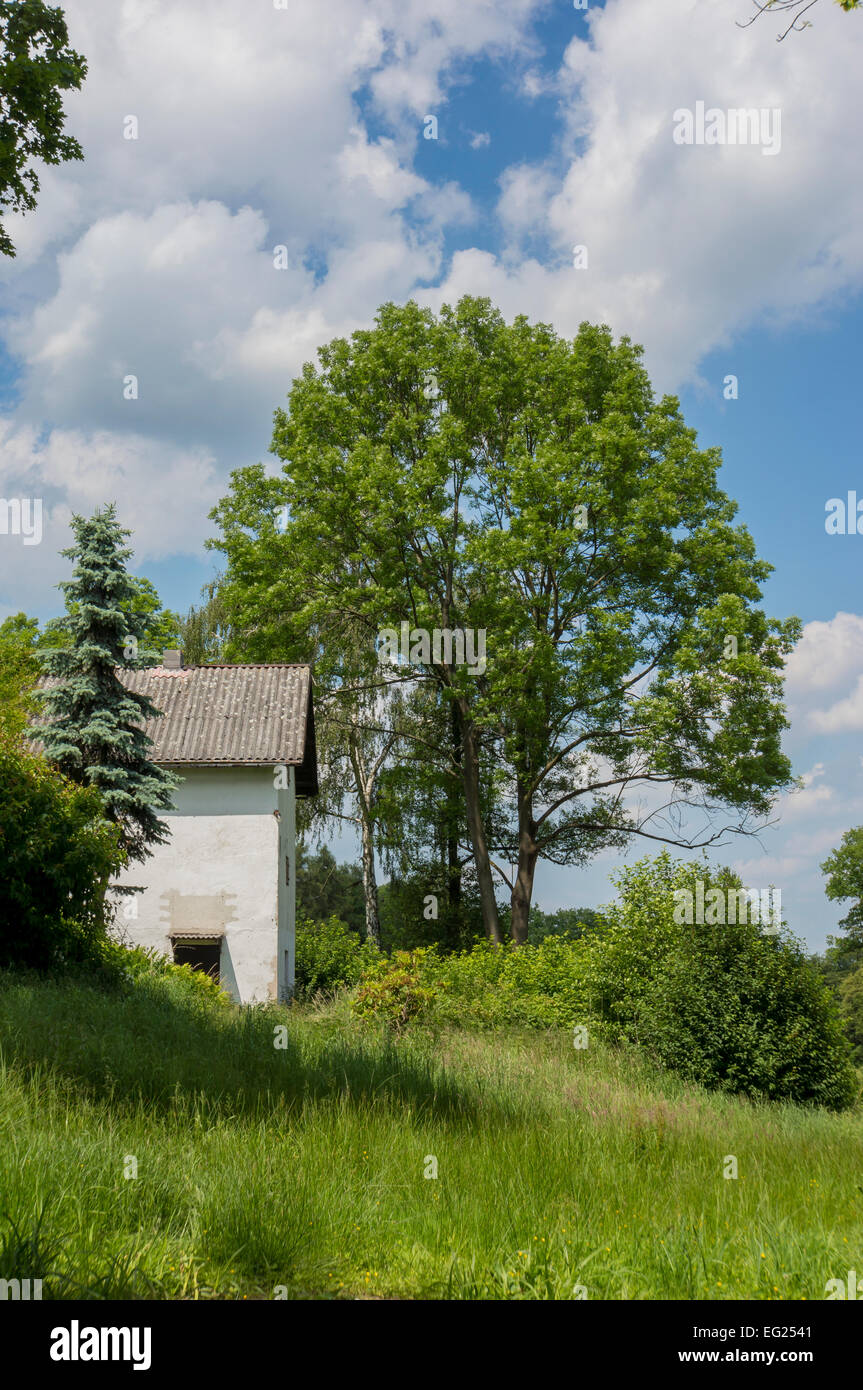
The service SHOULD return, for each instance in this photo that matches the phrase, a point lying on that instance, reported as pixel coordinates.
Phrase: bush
(58, 856)
(329, 957)
(530, 986)
(392, 991)
(142, 967)
(726, 1006)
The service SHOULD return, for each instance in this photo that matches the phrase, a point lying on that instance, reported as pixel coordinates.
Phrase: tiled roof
(230, 715)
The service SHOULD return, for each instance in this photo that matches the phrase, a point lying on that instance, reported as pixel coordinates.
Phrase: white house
(221, 894)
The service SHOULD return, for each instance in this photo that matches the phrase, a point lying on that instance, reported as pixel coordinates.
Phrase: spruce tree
(91, 727)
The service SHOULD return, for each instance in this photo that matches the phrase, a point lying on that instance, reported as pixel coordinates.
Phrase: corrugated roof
(229, 715)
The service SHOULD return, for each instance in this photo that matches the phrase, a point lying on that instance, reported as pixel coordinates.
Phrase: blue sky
(305, 127)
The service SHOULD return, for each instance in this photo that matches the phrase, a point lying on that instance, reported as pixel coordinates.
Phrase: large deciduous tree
(453, 472)
(36, 67)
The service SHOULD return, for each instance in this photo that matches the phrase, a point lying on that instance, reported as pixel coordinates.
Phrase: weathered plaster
(223, 870)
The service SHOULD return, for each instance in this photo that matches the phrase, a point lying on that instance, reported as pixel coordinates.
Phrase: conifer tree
(91, 727)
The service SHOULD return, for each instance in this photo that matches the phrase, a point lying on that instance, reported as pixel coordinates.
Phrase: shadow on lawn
(144, 1047)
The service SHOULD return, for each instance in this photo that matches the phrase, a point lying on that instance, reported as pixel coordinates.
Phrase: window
(201, 955)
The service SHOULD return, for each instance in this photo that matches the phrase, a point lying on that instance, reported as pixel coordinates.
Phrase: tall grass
(302, 1169)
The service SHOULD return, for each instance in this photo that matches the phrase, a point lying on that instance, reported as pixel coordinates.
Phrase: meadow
(305, 1171)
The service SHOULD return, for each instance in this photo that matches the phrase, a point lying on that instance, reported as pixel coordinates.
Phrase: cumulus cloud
(828, 658)
(804, 800)
(684, 242)
(827, 655)
(76, 472)
(154, 257)
(843, 716)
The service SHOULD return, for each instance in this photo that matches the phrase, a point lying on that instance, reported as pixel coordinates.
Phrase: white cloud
(827, 655)
(682, 241)
(77, 472)
(843, 716)
(803, 801)
(154, 256)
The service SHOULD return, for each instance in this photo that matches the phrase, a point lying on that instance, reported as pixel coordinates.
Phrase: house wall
(223, 869)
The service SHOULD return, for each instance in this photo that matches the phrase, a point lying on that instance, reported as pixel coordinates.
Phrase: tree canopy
(453, 472)
(37, 66)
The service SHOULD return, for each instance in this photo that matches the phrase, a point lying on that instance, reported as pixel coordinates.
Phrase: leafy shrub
(142, 967)
(329, 957)
(392, 991)
(726, 1006)
(58, 856)
(539, 986)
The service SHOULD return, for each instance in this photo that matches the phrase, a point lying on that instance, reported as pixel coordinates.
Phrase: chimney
(172, 659)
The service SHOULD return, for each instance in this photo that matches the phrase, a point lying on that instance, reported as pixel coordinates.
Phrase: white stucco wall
(223, 870)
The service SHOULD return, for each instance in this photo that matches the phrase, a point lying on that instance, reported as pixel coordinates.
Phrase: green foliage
(392, 991)
(327, 889)
(36, 67)
(404, 906)
(330, 957)
(91, 725)
(19, 671)
(204, 632)
(157, 627)
(851, 1011)
(723, 1005)
(58, 856)
(542, 494)
(141, 968)
(844, 870)
(488, 986)
(571, 923)
(556, 1165)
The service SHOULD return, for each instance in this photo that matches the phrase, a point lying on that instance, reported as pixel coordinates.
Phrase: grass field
(302, 1169)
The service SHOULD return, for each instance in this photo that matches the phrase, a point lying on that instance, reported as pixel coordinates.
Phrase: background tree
(844, 870)
(160, 627)
(91, 724)
(36, 67)
(205, 631)
(19, 672)
(851, 1011)
(326, 889)
(540, 493)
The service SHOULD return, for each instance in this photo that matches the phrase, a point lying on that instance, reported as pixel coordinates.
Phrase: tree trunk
(453, 810)
(523, 891)
(364, 785)
(522, 888)
(476, 829)
(370, 887)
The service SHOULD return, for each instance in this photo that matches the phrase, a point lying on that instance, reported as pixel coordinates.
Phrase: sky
(257, 125)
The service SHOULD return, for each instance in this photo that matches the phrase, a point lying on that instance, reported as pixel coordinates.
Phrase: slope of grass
(302, 1168)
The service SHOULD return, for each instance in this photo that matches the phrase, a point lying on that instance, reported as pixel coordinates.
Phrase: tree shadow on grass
(144, 1047)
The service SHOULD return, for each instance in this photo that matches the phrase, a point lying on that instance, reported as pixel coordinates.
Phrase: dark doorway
(200, 955)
